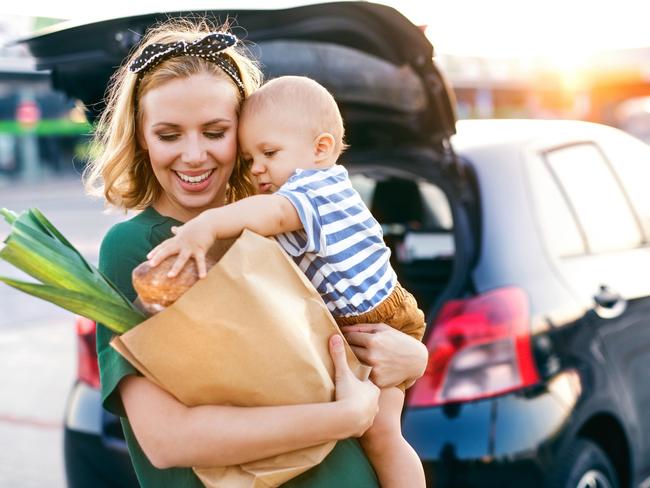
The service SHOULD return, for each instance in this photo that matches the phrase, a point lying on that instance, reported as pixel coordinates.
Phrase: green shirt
(123, 248)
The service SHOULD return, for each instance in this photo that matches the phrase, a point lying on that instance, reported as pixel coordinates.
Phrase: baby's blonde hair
(121, 170)
(303, 98)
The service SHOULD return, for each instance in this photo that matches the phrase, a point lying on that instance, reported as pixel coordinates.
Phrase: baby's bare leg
(396, 463)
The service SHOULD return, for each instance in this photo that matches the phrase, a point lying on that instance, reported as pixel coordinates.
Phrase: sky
(560, 29)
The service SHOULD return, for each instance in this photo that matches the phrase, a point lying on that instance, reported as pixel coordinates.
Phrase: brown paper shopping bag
(253, 332)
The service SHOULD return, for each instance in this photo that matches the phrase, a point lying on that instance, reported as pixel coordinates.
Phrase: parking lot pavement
(37, 341)
(29, 461)
(36, 371)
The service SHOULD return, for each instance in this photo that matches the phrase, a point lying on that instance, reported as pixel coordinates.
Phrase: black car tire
(584, 465)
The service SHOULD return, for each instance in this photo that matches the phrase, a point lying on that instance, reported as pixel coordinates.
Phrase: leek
(63, 275)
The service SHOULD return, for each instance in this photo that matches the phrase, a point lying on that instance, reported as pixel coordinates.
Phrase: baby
(291, 134)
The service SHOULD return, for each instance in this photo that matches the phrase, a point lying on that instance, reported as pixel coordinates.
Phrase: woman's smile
(195, 181)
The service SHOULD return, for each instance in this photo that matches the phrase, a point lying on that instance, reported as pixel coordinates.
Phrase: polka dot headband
(209, 47)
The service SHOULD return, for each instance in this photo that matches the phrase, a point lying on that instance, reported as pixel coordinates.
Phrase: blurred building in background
(619, 86)
(611, 87)
(41, 132)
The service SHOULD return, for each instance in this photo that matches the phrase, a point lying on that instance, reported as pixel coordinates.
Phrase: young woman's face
(189, 129)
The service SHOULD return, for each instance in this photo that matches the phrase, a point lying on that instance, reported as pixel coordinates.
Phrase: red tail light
(87, 367)
(479, 347)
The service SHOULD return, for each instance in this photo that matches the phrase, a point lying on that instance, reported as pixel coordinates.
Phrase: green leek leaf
(26, 231)
(43, 263)
(117, 318)
(37, 248)
(9, 216)
(56, 234)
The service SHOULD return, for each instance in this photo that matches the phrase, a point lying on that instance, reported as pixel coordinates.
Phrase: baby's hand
(191, 240)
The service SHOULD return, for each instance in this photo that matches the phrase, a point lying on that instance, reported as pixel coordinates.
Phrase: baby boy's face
(275, 145)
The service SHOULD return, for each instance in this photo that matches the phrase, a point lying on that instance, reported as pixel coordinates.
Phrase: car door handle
(609, 303)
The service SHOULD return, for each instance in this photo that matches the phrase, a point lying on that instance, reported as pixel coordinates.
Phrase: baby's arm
(264, 214)
(267, 215)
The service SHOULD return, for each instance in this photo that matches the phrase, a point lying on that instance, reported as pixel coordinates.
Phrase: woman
(168, 146)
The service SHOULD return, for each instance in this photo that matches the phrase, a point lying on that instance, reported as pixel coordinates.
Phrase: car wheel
(584, 465)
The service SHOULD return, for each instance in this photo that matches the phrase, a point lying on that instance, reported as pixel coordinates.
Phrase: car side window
(595, 196)
(630, 158)
(558, 225)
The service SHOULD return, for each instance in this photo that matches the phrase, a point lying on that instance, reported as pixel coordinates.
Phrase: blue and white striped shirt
(341, 248)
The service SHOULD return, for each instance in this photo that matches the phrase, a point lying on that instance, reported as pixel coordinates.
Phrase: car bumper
(502, 442)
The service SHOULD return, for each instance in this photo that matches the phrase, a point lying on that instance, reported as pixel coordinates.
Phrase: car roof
(481, 133)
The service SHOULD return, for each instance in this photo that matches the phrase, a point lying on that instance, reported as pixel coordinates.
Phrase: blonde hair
(303, 98)
(121, 170)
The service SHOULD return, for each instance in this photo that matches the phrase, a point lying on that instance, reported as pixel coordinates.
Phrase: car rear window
(416, 220)
(409, 204)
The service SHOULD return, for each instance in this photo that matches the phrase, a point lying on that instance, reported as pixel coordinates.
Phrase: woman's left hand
(394, 356)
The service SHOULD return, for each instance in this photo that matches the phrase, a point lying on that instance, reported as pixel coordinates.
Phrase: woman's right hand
(360, 399)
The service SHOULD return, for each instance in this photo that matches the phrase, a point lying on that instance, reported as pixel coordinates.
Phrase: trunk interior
(416, 216)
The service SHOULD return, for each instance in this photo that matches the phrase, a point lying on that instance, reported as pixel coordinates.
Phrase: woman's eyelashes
(215, 134)
(167, 137)
(209, 135)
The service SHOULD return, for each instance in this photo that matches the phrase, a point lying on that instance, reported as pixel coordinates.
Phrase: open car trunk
(396, 104)
(376, 62)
